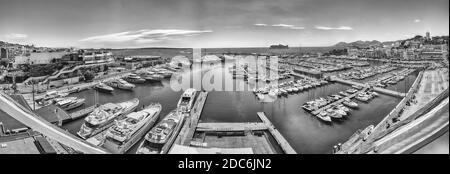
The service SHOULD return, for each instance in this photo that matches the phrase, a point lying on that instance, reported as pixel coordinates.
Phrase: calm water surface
(306, 133)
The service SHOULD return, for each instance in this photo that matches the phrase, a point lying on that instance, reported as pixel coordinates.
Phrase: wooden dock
(230, 127)
(287, 148)
(190, 125)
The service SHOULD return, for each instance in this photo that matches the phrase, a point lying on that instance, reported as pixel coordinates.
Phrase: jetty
(376, 89)
(282, 142)
(230, 127)
(188, 129)
(192, 125)
(304, 76)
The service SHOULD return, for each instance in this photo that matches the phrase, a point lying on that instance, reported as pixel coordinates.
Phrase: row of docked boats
(391, 79)
(336, 112)
(251, 74)
(61, 100)
(168, 128)
(49, 97)
(361, 73)
(118, 127)
(317, 104)
(337, 106)
(366, 96)
(286, 88)
(140, 77)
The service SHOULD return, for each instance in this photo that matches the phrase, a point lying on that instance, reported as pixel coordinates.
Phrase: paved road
(38, 124)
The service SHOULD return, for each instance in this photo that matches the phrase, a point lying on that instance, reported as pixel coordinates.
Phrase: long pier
(376, 89)
(230, 127)
(287, 148)
(302, 76)
(190, 125)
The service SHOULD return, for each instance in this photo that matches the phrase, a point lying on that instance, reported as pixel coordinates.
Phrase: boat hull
(120, 149)
(73, 106)
(136, 81)
(104, 90)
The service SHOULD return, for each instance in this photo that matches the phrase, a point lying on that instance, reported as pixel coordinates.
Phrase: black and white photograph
(224, 77)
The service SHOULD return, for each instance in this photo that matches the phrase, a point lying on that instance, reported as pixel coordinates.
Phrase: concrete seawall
(396, 111)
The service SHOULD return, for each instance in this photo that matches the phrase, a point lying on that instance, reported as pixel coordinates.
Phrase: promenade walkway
(424, 119)
(36, 123)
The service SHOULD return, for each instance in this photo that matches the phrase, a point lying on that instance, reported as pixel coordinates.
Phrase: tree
(89, 75)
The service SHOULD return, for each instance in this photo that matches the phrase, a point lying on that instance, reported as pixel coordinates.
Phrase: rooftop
(22, 146)
(52, 114)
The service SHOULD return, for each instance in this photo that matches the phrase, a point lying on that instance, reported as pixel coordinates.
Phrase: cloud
(282, 25)
(261, 25)
(144, 36)
(331, 28)
(286, 26)
(417, 20)
(16, 36)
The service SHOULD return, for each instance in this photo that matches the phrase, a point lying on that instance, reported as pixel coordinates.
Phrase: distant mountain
(402, 43)
(359, 44)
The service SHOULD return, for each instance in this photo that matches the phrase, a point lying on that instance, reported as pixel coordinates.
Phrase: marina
(187, 132)
(259, 77)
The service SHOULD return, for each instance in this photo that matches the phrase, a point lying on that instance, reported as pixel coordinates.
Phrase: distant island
(279, 46)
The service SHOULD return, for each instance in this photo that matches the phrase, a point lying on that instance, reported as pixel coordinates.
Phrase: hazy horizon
(217, 23)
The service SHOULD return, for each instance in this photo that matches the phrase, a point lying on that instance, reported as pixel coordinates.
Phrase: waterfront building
(432, 54)
(45, 57)
(72, 58)
(38, 58)
(132, 62)
(353, 52)
(97, 57)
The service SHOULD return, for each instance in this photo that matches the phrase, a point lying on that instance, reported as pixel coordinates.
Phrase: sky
(216, 23)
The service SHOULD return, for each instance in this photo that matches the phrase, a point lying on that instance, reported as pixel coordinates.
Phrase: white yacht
(187, 100)
(121, 84)
(160, 134)
(129, 130)
(103, 117)
(70, 103)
